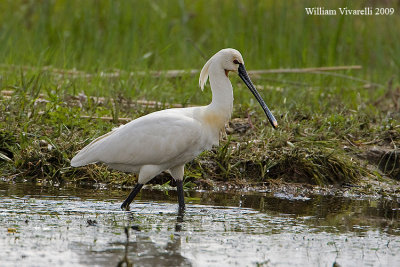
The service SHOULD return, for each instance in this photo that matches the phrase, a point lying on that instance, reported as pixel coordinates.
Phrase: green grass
(138, 35)
(326, 119)
(318, 143)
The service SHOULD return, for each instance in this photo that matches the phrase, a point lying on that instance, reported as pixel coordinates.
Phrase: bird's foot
(181, 208)
(128, 200)
(125, 206)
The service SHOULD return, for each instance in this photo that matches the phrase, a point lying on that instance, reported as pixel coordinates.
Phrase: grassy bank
(321, 143)
(329, 121)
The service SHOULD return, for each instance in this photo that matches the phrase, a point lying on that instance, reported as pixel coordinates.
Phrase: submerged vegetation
(65, 68)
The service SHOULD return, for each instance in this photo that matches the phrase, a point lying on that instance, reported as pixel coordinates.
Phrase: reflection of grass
(325, 120)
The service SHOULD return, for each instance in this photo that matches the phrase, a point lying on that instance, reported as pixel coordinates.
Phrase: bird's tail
(79, 160)
(89, 154)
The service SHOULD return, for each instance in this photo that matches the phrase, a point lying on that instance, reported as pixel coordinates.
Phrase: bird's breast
(214, 120)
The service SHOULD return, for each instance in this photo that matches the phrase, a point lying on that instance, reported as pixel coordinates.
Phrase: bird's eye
(235, 61)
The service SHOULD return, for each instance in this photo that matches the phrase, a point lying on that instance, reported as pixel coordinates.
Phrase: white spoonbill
(165, 140)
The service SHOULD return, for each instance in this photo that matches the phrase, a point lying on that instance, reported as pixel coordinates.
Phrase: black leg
(181, 198)
(132, 195)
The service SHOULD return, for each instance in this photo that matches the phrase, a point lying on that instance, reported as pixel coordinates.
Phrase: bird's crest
(204, 74)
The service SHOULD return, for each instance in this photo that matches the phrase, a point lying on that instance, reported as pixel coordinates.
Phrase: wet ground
(69, 226)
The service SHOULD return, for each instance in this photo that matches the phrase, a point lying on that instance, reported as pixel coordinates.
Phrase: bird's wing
(156, 138)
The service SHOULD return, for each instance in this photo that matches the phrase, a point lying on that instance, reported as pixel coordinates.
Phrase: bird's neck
(222, 93)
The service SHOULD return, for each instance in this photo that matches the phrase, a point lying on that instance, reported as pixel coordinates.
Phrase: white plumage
(165, 140)
(161, 140)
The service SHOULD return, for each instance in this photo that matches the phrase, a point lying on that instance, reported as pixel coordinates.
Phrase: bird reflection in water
(150, 252)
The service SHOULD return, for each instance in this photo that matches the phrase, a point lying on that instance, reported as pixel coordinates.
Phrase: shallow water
(43, 226)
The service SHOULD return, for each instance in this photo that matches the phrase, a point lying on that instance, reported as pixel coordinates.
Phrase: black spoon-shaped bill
(246, 79)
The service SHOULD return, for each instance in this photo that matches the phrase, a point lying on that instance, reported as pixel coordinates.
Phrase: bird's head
(227, 59)
(231, 60)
